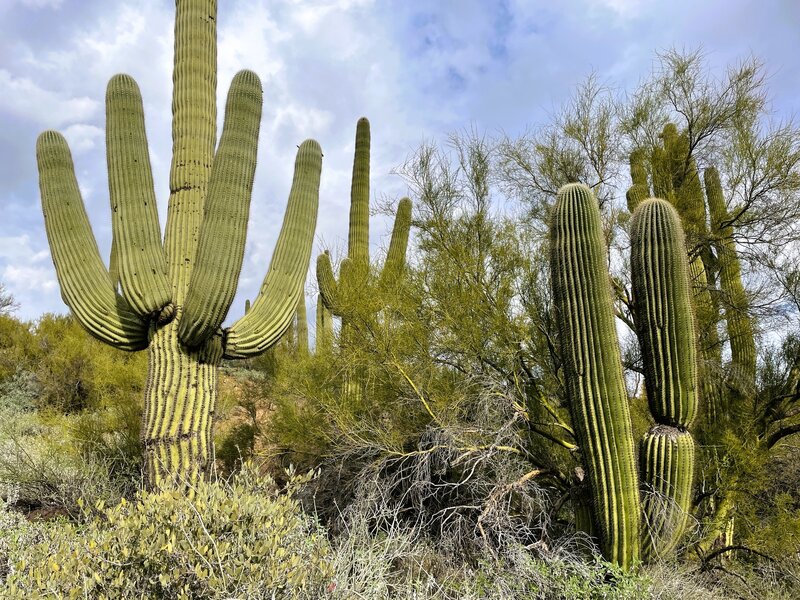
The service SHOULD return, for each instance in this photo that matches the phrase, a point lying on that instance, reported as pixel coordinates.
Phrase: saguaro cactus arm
(223, 233)
(593, 370)
(142, 267)
(396, 256)
(328, 286)
(85, 283)
(358, 236)
(273, 310)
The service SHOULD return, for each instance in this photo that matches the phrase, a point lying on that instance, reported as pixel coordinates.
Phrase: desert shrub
(74, 371)
(237, 539)
(41, 459)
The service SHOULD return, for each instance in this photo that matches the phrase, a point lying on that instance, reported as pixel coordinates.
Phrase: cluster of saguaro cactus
(172, 297)
(354, 270)
(593, 372)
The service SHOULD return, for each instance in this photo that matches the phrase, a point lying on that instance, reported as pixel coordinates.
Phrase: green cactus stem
(640, 189)
(667, 464)
(324, 327)
(664, 316)
(593, 370)
(173, 297)
(665, 328)
(302, 328)
(740, 324)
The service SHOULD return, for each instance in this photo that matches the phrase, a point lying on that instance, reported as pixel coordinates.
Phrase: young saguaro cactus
(593, 370)
(665, 328)
(355, 268)
(173, 296)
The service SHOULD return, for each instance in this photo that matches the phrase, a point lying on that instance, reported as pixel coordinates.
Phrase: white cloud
(82, 137)
(23, 98)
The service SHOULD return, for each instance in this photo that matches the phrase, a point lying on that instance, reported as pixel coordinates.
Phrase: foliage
(240, 538)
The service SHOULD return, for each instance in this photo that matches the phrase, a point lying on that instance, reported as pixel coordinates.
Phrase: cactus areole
(172, 296)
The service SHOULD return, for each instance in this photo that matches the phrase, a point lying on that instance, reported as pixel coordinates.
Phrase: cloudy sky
(417, 68)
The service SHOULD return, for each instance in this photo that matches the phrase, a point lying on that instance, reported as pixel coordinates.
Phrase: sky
(418, 69)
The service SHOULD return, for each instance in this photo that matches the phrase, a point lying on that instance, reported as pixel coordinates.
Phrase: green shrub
(240, 539)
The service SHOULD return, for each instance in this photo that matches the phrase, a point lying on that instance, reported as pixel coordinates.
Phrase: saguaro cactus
(173, 297)
(593, 370)
(740, 324)
(665, 328)
(355, 268)
(677, 180)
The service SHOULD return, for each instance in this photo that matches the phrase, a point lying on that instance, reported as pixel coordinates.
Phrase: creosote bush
(240, 539)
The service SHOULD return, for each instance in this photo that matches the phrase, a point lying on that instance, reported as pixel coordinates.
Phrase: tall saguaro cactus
(593, 370)
(665, 328)
(173, 296)
(355, 267)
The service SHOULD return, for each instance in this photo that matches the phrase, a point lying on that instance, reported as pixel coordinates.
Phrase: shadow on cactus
(172, 296)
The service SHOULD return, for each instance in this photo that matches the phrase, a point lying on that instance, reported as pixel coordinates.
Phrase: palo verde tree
(172, 296)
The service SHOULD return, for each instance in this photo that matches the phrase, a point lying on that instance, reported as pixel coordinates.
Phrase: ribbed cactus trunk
(666, 332)
(593, 371)
(172, 297)
(180, 397)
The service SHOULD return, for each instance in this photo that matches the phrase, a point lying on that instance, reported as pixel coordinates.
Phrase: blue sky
(417, 69)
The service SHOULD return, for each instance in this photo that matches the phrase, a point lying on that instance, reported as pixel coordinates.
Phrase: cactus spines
(667, 464)
(593, 370)
(664, 318)
(174, 297)
(740, 324)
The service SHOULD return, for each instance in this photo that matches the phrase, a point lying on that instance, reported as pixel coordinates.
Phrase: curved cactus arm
(220, 250)
(273, 310)
(134, 212)
(664, 315)
(593, 370)
(396, 257)
(85, 283)
(326, 280)
(358, 235)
